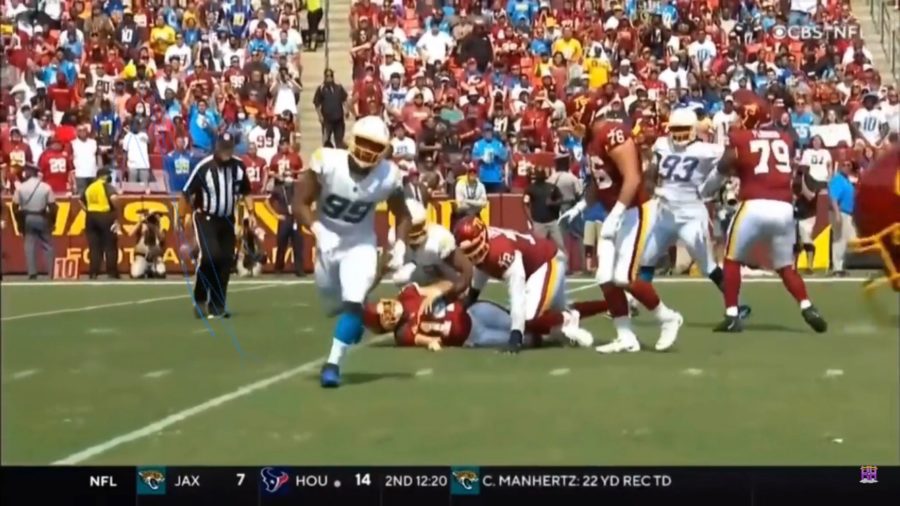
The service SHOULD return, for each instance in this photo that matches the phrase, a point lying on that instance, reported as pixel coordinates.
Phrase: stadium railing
(886, 19)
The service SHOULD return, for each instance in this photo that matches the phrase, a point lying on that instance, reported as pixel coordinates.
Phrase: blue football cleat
(330, 377)
(744, 312)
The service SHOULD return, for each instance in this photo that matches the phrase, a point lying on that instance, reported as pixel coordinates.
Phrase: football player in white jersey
(683, 165)
(345, 185)
(431, 255)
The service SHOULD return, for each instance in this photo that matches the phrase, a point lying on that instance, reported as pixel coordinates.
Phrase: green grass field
(123, 374)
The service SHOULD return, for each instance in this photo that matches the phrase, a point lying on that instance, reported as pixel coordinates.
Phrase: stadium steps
(314, 65)
(872, 36)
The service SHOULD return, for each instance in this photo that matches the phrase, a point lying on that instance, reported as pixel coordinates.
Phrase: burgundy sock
(731, 271)
(645, 294)
(544, 323)
(615, 298)
(590, 308)
(794, 283)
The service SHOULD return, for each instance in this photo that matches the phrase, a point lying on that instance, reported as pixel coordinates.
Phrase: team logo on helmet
(471, 234)
(389, 312)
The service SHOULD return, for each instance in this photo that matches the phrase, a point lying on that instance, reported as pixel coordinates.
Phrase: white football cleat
(576, 335)
(668, 333)
(627, 344)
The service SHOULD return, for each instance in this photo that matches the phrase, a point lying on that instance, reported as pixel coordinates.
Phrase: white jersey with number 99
(346, 204)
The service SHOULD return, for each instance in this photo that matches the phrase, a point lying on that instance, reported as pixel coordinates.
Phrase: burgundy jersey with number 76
(607, 176)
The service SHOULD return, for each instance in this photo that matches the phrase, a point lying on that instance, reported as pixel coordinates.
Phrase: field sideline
(90, 383)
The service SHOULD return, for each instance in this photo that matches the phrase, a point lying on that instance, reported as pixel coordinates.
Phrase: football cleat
(576, 335)
(744, 311)
(516, 343)
(620, 345)
(669, 332)
(814, 319)
(330, 377)
(730, 324)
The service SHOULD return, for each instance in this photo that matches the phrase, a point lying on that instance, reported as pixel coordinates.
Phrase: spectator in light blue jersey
(803, 119)
(521, 11)
(490, 154)
(203, 124)
(177, 165)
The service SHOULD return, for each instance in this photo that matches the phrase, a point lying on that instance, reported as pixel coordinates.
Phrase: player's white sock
(662, 313)
(623, 328)
(805, 303)
(731, 311)
(338, 350)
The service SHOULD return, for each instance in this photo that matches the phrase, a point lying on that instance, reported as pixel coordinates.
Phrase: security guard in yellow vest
(101, 225)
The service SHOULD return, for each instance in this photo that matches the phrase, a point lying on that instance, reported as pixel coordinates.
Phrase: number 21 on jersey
(771, 149)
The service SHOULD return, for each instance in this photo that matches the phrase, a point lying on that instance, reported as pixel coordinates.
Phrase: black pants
(314, 19)
(333, 133)
(215, 236)
(102, 241)
(286, 233)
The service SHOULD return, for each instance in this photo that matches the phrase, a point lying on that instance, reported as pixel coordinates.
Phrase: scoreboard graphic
(423, 486)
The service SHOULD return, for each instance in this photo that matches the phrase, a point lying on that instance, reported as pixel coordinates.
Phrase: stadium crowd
(483, 96)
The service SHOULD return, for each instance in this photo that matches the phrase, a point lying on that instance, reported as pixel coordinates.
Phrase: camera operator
(148, 251)
(251, 255)
(726, 208)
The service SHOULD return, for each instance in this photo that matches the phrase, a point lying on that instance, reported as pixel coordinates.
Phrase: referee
(210, 199)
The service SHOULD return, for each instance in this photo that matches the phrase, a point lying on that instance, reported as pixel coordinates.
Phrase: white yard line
(25, 374)
(574, 281)
(153, 428)
(559, 372)
(424, 372)
(159, 425)
(157, 374)
(120, 304)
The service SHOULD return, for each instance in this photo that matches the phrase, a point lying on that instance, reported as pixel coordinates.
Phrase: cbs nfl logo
(868, 474)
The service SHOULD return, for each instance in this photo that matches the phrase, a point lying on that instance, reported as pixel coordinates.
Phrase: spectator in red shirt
(286, 164)
(257, 171)
(55, 166)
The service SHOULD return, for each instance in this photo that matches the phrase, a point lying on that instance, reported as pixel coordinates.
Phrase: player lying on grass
(535, 275)
(431, 254)
(421, 316)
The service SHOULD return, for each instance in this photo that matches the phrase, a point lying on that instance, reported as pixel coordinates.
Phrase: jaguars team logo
(151, 481)
(466, 481)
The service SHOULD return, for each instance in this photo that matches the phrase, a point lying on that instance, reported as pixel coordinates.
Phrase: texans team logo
(273, 479)
(153, 479)
(466, 479)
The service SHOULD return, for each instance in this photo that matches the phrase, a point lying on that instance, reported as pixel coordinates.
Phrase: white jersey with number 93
(682, 172)
(346, 204)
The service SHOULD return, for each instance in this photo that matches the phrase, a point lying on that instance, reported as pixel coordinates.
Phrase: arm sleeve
(479, 279)
(515, 282)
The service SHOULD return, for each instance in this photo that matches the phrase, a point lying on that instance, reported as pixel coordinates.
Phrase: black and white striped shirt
(214, 186)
